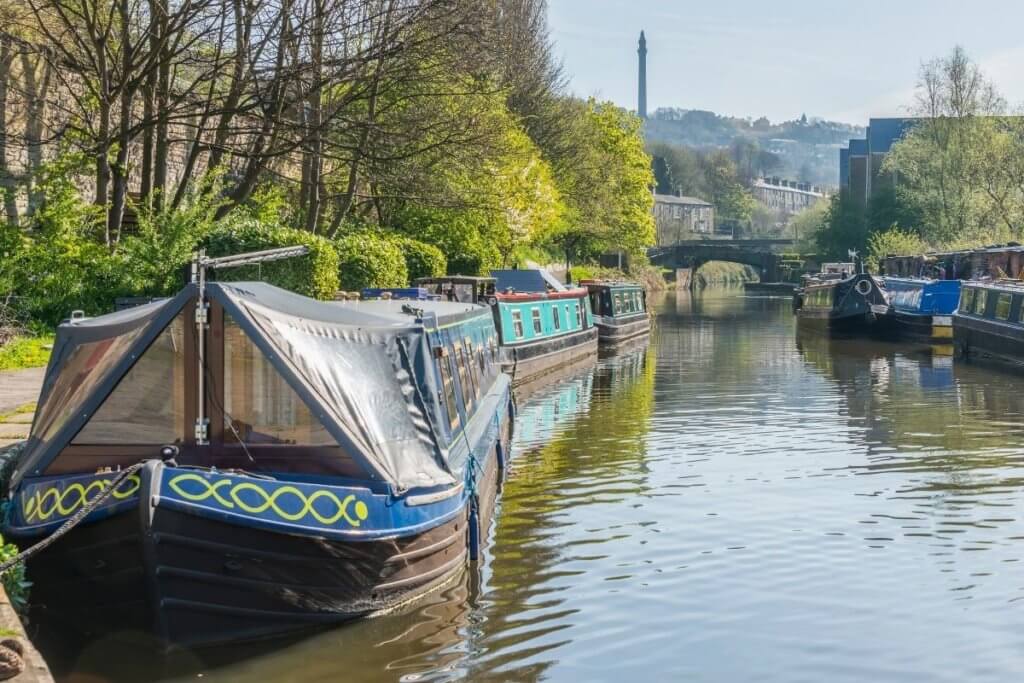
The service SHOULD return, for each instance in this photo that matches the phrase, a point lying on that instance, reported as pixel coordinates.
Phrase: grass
(27, 408)
(26, 352)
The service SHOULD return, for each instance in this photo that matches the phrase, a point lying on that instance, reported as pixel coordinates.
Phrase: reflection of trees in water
(597, 457)
(924, 415)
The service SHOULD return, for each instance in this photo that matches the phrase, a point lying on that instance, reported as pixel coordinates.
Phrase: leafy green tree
(844, 228)
(607, 190)
(892, 242)
(731, 199)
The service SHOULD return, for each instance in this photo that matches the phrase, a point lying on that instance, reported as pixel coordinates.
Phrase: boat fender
(474, 528)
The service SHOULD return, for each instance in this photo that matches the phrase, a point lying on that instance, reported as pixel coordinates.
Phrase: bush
(422, 259)
(314, 275)
(577, 273)
(368, 260)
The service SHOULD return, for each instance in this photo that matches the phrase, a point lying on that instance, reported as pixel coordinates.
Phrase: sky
(844, 60)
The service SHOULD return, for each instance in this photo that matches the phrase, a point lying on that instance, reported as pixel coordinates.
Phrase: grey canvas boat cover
(520, 280)
(349, 364)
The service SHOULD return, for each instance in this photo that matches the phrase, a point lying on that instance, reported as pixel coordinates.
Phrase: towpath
(19, 390)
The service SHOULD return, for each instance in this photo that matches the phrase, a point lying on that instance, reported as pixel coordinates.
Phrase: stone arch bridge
(760, 254)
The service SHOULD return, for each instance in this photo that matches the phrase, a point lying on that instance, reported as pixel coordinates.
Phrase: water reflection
(729, 502)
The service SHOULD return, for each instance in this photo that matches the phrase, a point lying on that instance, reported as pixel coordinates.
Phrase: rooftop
(673, 199)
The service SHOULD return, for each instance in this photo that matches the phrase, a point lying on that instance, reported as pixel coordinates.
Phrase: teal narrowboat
(540, 328)
(620, 310)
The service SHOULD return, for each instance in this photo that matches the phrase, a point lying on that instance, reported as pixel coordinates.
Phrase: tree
(607, 191)
(844, 228)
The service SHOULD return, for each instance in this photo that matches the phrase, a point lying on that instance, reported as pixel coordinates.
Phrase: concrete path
(19, 387)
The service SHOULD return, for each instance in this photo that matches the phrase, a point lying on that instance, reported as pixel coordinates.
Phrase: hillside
(805, 149)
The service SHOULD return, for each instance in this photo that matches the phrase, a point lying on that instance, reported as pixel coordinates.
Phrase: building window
(537, 327)
(517, 324)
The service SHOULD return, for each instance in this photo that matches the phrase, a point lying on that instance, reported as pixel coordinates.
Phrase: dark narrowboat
(540, 328)
(620, 310)
(989, 324)
(854, 305)
(922, 310)
(270, 463)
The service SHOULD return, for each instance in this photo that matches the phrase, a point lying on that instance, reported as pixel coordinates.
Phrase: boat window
(464, 380)
(148, 404)
(967, 304)
(448, 387)
(259, 405)
(517, 323)
(579, 314)
(568, 316)
(1003, 306)
(979, 302)
(556, 318)
(618, 304)
(985, 297)
(471, 365)
(535, 313)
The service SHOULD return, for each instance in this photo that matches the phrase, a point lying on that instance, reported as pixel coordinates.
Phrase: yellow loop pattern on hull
(64, 502)
(232, 495)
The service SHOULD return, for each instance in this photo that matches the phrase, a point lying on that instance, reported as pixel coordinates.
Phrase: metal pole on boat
(202, 308)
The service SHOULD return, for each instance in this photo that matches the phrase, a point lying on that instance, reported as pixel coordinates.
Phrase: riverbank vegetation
(394, 138)
(959, 174)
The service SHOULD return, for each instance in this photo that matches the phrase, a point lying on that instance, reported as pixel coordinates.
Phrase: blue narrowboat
(540, 328)
(922, 310)
(242, 462)
(989, 324)
(620, 309)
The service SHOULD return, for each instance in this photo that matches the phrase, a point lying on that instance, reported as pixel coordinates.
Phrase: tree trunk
(163, 87)
(8, 181)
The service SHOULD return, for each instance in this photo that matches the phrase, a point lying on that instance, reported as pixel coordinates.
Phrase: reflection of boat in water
(989, 324)
(299, 463)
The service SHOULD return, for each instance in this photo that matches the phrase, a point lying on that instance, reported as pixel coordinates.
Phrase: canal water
(728, 502)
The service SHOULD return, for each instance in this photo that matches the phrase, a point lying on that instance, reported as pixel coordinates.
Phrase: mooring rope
(74, 520)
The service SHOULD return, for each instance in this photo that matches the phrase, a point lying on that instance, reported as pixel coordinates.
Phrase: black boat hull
(613, 331)
(980, 339)
(528, 362)
(190, 582)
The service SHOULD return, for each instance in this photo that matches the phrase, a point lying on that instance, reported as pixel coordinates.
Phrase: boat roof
(363, 401)
(529, 280)
(609, 283)
(454, 279)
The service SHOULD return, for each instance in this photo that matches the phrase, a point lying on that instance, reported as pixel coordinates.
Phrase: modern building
(860, 164)
(682, 219)
(787, 197)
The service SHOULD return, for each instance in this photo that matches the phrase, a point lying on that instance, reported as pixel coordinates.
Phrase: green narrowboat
(620, 310)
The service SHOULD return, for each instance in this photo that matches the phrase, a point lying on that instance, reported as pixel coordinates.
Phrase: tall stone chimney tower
(641, 108)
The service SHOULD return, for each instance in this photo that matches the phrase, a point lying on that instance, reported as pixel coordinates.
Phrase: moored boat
(620, 310)
(989, 323)
(851, 305)
(253, 463)
(922, 310)
(540, 327)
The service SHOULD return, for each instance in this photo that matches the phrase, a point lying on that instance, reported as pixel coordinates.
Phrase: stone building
(787, 197)
(680, 219)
